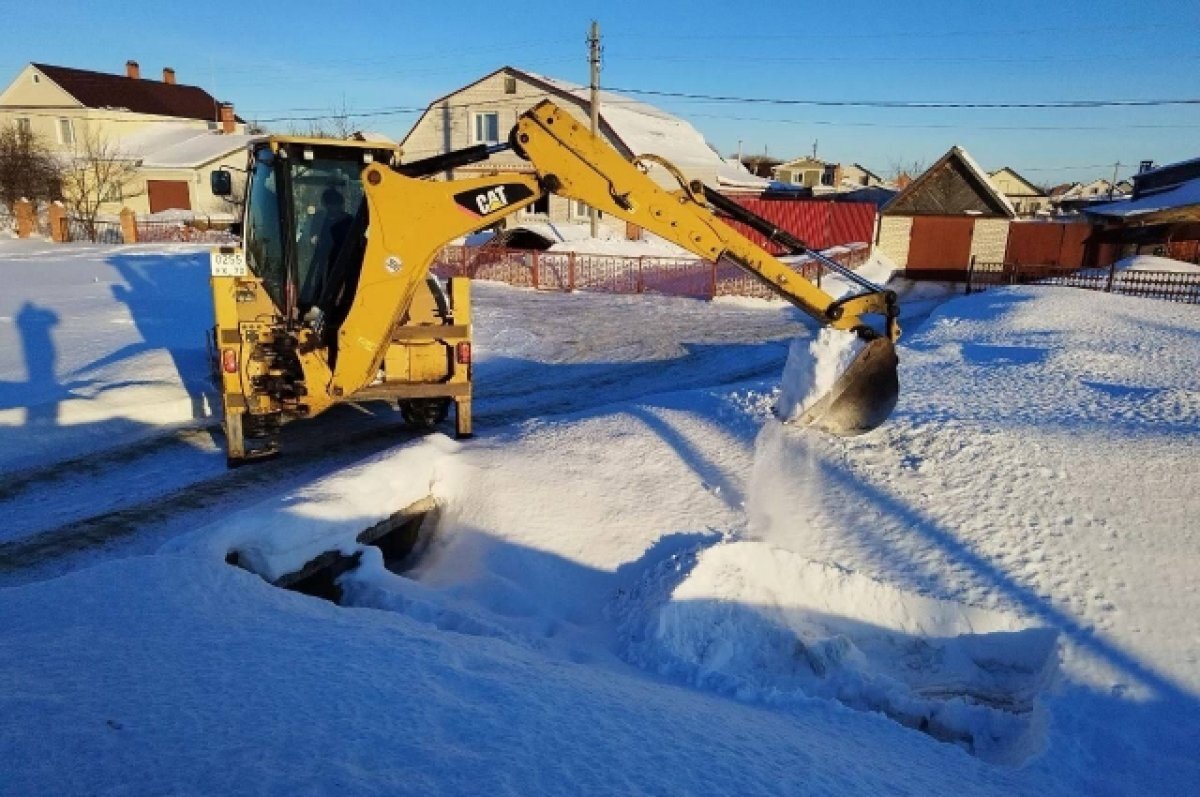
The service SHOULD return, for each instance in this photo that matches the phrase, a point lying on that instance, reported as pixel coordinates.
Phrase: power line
(899, 104)
(925, 33)
(902, 126)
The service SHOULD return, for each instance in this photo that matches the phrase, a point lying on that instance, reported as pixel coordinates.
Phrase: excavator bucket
(863, 397)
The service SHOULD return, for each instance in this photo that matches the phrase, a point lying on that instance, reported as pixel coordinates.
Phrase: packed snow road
(111, 343)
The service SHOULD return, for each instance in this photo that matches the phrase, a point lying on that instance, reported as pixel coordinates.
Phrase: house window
(580, 210)
(539, 208)
(36, 78)
(827, 174)
(66, 132)
(113, 193)
(510, 85)
(24, 127)
(487, 128)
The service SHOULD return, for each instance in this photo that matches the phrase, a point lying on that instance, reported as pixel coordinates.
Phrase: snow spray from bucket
(842, 383)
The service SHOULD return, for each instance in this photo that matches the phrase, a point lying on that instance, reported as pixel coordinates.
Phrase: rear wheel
(424, 413)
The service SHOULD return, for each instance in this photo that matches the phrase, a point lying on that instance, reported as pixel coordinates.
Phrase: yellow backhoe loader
(329, 299)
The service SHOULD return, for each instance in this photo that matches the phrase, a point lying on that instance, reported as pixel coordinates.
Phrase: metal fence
(180, 232)
(1168, 285)
(100, 232)
(667, 276)
(107, 231)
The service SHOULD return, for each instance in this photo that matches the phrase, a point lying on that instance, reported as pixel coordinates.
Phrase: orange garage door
(168, 195)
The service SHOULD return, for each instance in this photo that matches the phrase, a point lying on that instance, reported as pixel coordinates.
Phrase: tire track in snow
(326, 445)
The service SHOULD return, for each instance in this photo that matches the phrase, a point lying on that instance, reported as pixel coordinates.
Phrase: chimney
(168, 76)
(227, 119)
(132, 70)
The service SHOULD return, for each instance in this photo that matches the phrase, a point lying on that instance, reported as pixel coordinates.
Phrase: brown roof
(102, 90)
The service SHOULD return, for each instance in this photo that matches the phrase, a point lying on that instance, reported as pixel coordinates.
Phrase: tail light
(462, 353)
(229, 361)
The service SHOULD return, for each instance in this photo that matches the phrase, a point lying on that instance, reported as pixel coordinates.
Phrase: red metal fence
(667, 276)
(820, 224)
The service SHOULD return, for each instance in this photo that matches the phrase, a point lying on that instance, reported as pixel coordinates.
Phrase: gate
(940, 246)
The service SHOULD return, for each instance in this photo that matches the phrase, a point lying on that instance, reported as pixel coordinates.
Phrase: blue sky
(304, 58)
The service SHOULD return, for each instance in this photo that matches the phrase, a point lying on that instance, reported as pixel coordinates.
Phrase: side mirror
(221, 182)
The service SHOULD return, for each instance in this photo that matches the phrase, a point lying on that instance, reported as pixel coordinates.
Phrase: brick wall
(894, 232)
(989, 240)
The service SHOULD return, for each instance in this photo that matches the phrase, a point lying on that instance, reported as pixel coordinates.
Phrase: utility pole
(1112, 186)
(594, 60)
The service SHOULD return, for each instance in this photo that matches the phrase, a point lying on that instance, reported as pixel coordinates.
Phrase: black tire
(424, 413)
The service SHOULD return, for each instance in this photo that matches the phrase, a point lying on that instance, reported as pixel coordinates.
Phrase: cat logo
(492, 201)
(486, 201)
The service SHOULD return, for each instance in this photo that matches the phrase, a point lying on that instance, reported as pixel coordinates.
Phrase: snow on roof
(647, 130)
(1183, 195)
(373, 136)
(170, 146)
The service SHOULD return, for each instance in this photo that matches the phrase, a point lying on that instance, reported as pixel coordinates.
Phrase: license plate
(229, 264)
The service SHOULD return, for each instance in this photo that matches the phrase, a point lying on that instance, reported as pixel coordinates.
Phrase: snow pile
(280, 535)
(813, 368)
(767, 625)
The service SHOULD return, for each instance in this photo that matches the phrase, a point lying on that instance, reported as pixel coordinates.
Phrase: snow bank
(280, 535)
(767, 625)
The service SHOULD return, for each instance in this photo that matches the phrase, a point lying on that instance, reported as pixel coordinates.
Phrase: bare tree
(911, 169)
(27, 168)
(336, 125)
(97, 173)
(760, 165)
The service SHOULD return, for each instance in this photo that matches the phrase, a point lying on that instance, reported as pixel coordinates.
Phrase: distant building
(1163, 213)
(813, 173)
(174, 133)
(1081, 196)
(1026, 198)
(483, 112)
(948, 215)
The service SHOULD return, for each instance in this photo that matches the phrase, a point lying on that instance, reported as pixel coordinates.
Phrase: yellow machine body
(298, 331)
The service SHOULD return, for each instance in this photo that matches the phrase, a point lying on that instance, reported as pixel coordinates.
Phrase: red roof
(102, 90)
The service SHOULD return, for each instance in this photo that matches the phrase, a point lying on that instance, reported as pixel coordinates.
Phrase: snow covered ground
(640, 582)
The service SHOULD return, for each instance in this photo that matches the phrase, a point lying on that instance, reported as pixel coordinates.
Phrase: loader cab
(303, 197)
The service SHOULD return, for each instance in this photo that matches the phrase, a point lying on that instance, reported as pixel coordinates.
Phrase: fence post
(535, 269)
(26, 218)
(641, 286)
(970, 274)
(712, 281)
(1112, 271)
(129, 230)
(570, 271)
(59, 232)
